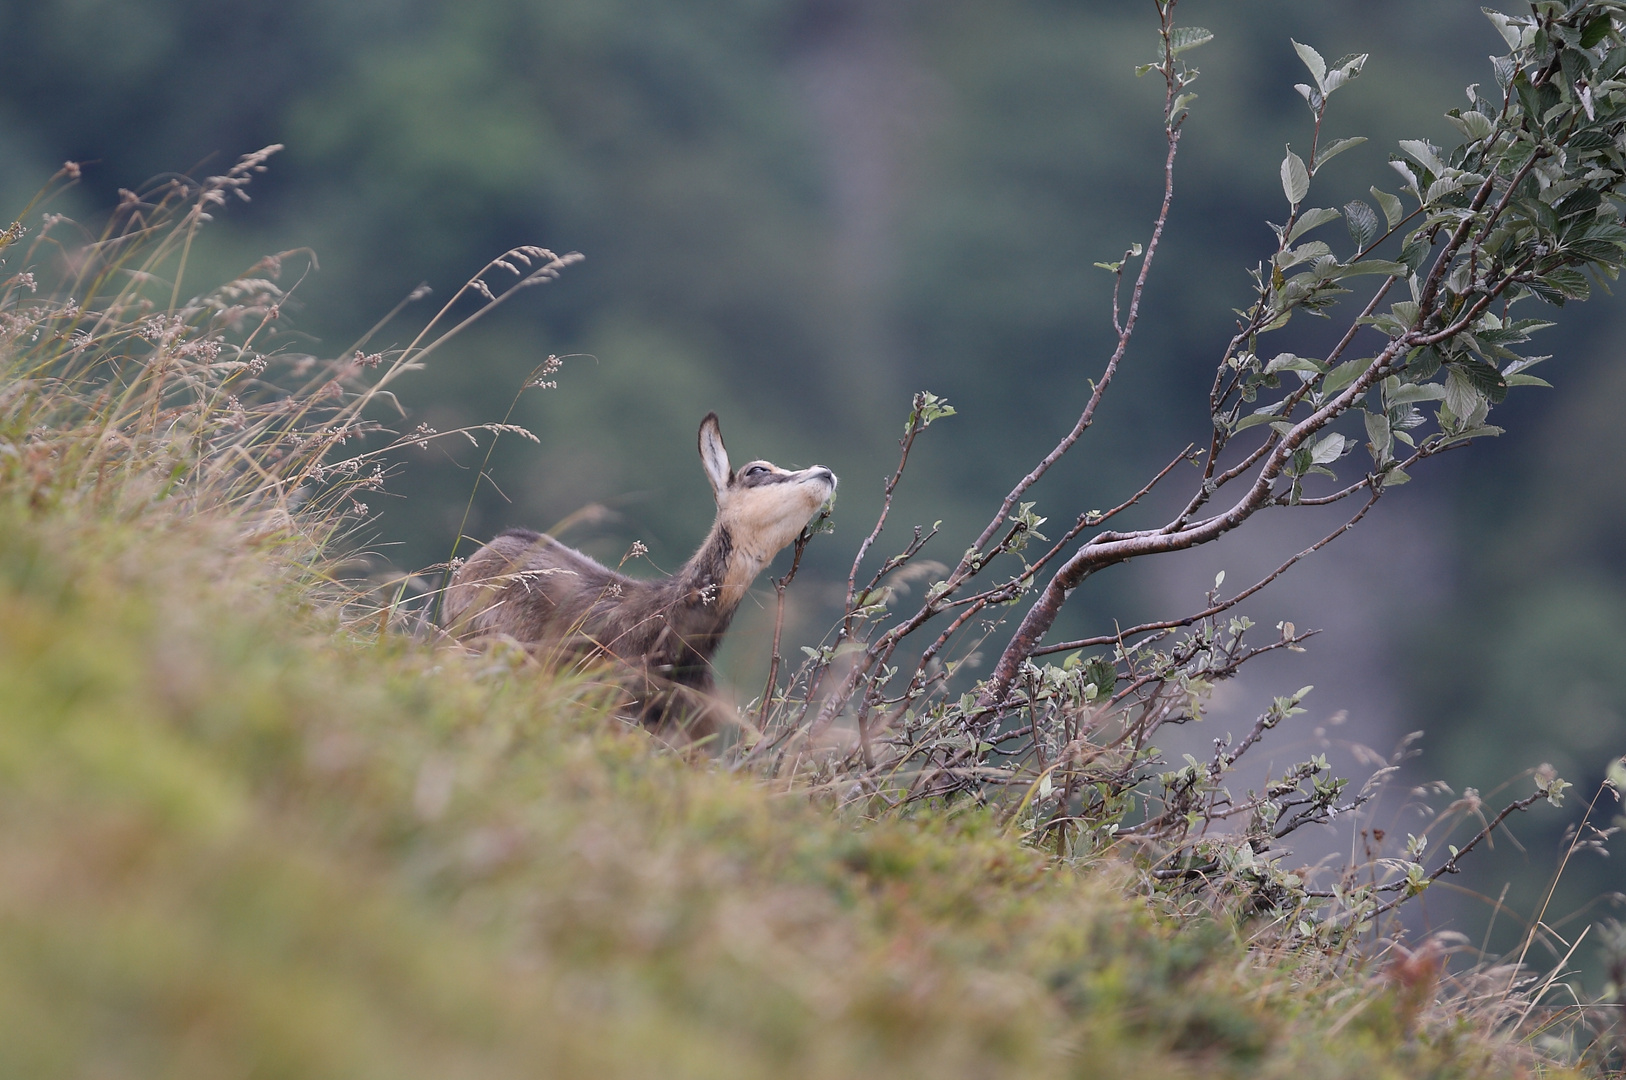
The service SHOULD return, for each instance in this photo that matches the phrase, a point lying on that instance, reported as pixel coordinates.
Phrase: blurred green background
(796, 212)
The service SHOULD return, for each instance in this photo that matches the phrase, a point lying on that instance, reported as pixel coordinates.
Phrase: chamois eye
(756, 470)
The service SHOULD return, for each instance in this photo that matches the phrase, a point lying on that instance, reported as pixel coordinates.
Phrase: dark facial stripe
(762, 479)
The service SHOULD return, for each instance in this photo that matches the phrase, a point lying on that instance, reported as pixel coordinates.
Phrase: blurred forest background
(796, 212)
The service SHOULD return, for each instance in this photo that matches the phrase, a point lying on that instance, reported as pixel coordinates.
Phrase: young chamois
(663, 632)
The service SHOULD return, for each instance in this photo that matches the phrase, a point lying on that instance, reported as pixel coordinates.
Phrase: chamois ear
(714, 456)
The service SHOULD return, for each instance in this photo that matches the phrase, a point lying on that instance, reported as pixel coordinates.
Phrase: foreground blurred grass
(245, 833)
(240, 841)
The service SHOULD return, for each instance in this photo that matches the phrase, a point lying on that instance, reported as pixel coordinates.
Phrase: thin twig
(779, 586)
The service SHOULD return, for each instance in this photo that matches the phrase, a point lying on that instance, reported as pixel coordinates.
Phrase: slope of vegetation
(247, 831)
(241, 840)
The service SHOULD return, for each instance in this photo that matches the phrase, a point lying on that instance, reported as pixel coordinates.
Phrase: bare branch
(1087, 417)
(1091, 519)
(779, 586)
(916, 426)
(1215, 609)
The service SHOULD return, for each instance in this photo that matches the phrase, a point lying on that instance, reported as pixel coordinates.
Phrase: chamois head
(760, 506)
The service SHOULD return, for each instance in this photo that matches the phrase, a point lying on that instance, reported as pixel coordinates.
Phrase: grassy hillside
(239, 840)
(247, 831)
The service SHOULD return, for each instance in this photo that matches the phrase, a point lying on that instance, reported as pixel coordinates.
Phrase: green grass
(240, 840)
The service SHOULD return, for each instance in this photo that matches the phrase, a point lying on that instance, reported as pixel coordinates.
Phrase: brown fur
(661, 632)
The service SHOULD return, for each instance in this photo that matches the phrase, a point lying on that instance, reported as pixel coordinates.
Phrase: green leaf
(1344, 72)
(1312, 219)
(1313, 61)
(1543, 214)
(1527, 380)
(1484, 377)
(1528, 99)
(1102, 672)
(1344, 374)
(1298, 465)
(1461, 396)
(1473, 125)
(1393, 212)
(1478, 431)
(1425, 154)
(1309, 252)
(1416, 250)
(1613, 63)
(1404, 170)
(1279, 321)
(1334, 148)
(1583, 141)
(927, 408)
(1260, 416)
(1511, 33)
(1328, 449)
(1414, 392)
(1182, 38)
(1377, 432)
(1441, 188)
(1527, 362)
(1375, 266)
(1362, 221)
(1295, 178)
(1289, 362)
(1572, 283)
(1385, 323)
(1596, 31)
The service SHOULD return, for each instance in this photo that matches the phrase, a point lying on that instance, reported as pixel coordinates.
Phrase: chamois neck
(722, 570)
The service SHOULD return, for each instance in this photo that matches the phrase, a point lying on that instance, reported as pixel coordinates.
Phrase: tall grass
(117, 381)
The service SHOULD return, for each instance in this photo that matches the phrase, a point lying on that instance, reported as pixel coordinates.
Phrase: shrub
(1451, 280)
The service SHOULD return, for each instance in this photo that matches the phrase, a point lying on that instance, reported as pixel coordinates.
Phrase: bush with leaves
(1451, 278)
